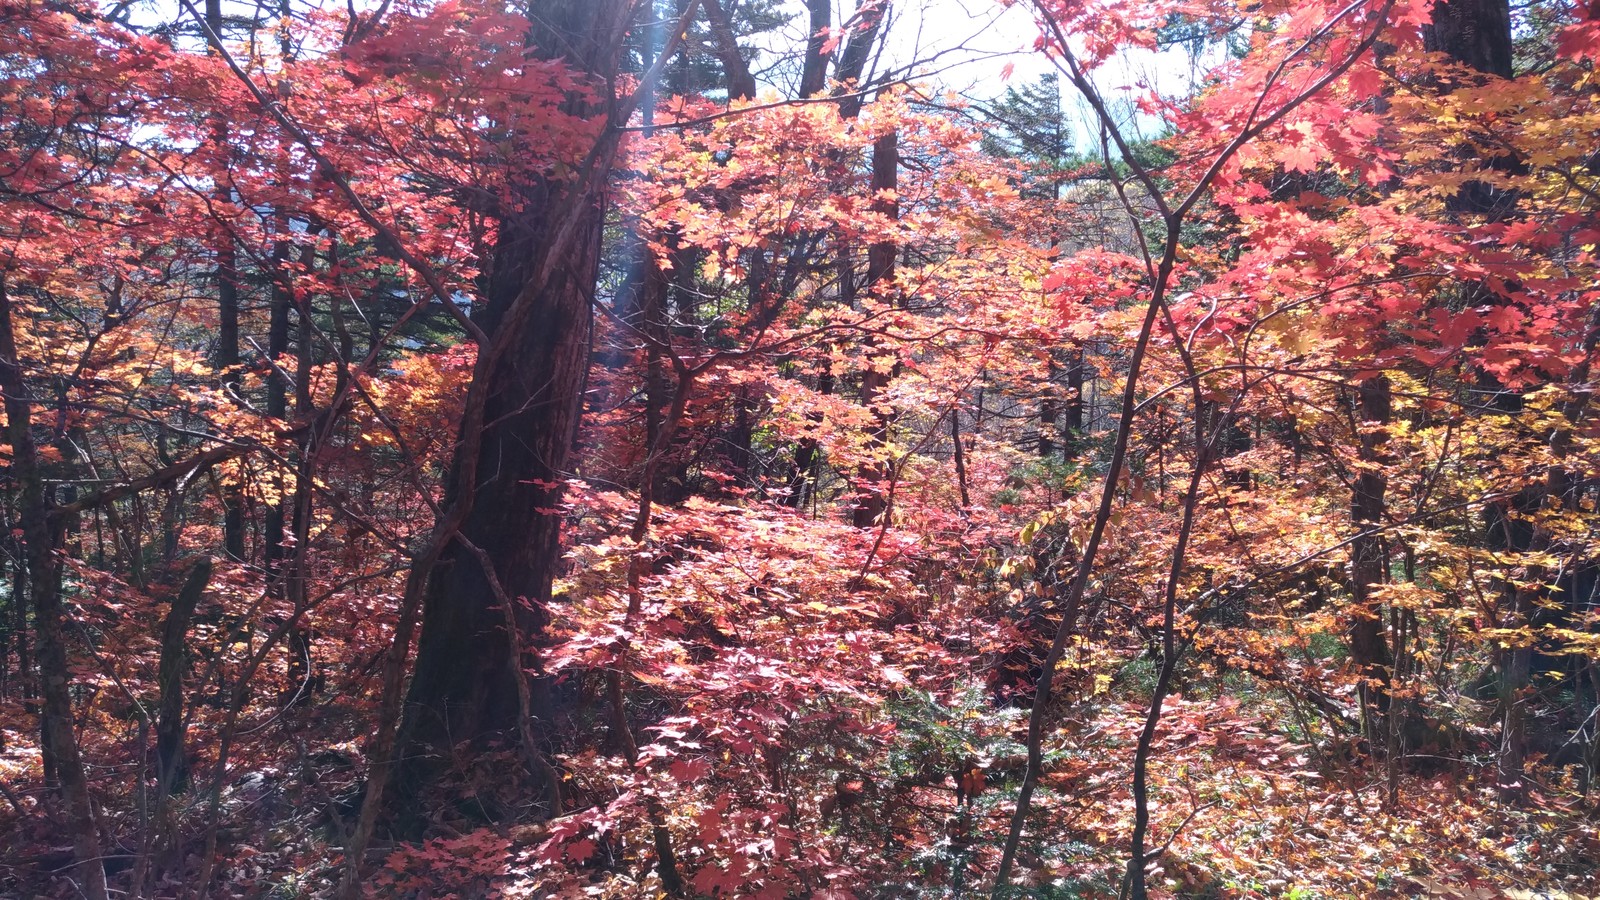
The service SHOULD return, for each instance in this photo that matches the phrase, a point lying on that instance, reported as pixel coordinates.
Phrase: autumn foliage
(627, 449)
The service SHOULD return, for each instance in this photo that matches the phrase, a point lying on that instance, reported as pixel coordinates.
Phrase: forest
(696, 449)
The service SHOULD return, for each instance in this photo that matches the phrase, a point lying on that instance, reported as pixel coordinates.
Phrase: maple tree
(631, 449)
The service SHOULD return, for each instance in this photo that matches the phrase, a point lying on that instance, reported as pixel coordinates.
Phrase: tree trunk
(19, 611)
(1477, 34)
(463, 687)
(872, 501)
(1049, 412)
(1073, 422)
(960, 458)
(851, 65)
(227, 275)
(808, 454)
(1369, 649)
(741, 84)
(853, 61)
(41, 537)
(814, 75)
(509, 477)
(277, 406)
(172, 762)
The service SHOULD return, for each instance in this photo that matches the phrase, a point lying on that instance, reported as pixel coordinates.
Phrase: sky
(969, 46)
(974, 48)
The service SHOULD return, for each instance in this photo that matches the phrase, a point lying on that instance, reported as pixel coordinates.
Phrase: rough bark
(19, 609)
(535, 311)
(1475, 33)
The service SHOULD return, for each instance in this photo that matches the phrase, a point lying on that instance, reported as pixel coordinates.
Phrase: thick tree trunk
(814, 75)
(464, 688)
(653, 321)
(283, 558)
(464, 684)
(741, 84)
(1475, 33)
(853, 61)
